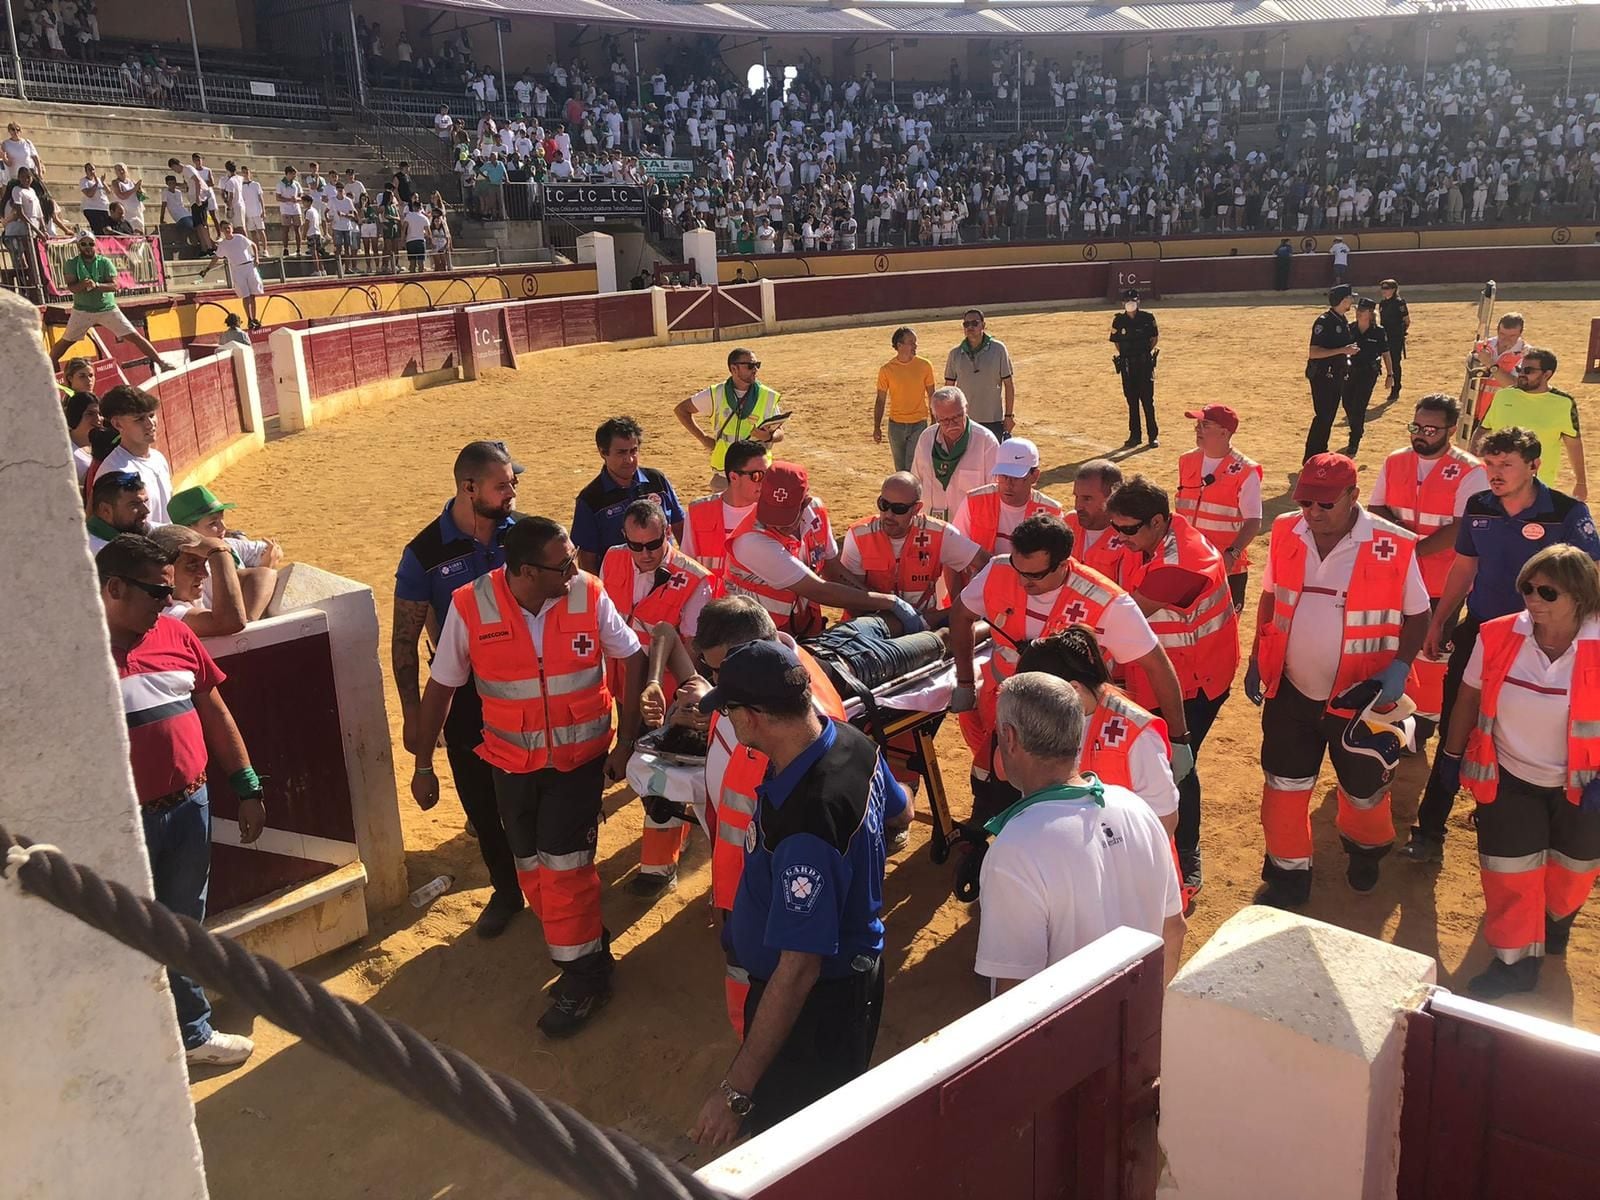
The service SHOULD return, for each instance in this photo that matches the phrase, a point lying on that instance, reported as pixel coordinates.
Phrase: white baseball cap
(1016, 458)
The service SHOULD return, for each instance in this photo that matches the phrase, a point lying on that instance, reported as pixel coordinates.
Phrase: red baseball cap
(1217, 414)
(1325, 477)
(784, 492)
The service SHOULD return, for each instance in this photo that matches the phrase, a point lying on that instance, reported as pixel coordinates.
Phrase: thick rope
(545, 1134)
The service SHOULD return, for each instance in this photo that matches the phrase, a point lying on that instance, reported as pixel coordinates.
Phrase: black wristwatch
(738, 1103)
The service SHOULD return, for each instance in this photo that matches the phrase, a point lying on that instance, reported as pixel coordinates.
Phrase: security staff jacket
(1393, 314)
(1374, 343)
(1331, 332)
(1133, 335)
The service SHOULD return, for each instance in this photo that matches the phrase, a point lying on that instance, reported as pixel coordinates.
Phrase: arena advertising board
(593, 201)
(667, 168)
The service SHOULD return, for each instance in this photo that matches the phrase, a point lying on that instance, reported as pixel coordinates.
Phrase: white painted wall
(700, 248)
(601, 250)
(94, 1097)
(1281, 1052)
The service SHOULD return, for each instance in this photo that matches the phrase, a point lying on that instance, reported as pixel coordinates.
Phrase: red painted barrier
(200, 411)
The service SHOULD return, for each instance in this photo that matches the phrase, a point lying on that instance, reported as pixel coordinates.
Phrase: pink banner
(137, 260)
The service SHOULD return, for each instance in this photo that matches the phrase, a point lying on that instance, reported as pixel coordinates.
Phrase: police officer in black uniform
(1395, 315)
(1134, 332)
(1327, 364)
(1371, 358)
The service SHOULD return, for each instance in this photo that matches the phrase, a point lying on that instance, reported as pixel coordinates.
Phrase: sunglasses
(649, 547)
(899, 510)
(727, 706)
(755, 476)
(1129, 530)
(156, 591)
(752, 364)
(1324, 505)
(972, 324)
(1036, 576)
(1546, 593)
(562, 569)
(1429, 430)
(1530, 370)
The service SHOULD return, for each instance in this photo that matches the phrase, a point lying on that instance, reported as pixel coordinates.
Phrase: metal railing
(109, 84)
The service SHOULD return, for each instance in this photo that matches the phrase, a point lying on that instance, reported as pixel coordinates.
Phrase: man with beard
(118, 503)
(451, 551)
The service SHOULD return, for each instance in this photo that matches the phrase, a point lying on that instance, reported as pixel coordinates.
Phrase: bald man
(907, 553)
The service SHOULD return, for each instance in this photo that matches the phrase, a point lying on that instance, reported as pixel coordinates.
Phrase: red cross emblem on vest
(582, 644)
(1114, 732)
(1076, 611)
(1383, 548)
(923, 540)
(679, 580)
(1450, 470)
(1235, 467)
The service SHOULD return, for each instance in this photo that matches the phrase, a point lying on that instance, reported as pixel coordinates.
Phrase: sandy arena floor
(350, 494)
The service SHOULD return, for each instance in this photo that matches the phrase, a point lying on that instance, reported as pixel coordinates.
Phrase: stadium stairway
(68, 135)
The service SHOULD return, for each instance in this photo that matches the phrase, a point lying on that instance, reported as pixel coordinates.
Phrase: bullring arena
(1328, 1053)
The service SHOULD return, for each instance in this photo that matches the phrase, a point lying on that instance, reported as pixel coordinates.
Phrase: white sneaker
(221, 1050)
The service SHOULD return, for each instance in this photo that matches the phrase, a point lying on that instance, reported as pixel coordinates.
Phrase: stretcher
(904, 715)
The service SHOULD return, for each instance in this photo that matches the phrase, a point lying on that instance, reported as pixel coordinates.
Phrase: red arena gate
(1049, 1090)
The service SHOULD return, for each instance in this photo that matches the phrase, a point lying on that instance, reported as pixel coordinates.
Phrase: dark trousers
(1327, 390)
(1280, 273)
(1436, 804)
(831, 1044)
(1139, 390)
(1236, 586)
(998, 428)
(1198, 714)
(1357, 395)
(474, 779)
(1397, 354)
(178, 841)
(552, 821)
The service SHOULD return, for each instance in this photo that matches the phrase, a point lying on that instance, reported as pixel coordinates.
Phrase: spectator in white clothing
(129, 193)
(240, 254)
(96, 201)
(1074, 858)
(135, 415)
(201, 564)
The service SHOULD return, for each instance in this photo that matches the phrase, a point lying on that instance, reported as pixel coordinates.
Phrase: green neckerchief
(945, 461)
(1093, 792)
(98, 528)
(966, 346)
(744, 409)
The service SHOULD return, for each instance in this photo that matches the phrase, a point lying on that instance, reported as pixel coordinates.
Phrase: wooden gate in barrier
(1048, 1091)
(1497, 1105)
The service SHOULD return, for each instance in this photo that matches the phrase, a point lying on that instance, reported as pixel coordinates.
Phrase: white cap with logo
(1016, 457)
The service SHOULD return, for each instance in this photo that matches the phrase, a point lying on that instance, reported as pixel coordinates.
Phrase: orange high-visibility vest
(1211, 502)
(1104, 556)
(1374, 602)
(676, 579)
(791, 612)
(914, 574)
(1116, 723)
(1424, 509)
(1501, 641)
(983, 513)
(554, 711)
(1203, 642)
(1082, 600)
(710, 538)
(734, 805)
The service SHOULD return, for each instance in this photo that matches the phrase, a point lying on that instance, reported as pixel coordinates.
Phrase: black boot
(1505, 979)
(1284, 888)
(1557, 932)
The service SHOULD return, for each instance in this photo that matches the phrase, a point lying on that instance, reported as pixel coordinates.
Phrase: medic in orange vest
(1528, 720)
(733, 771)
(1425, 489)
(1036, 590)
(652, 582)
(535, 637)
(1094, 543)
(1342, 604)
(989, 513)
(709, 521)
(1219, 492)
(1180, 583)
(1498, 358)
(906, 552)
(784, 557)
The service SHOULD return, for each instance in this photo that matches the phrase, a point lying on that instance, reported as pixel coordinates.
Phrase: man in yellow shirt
(906, 382)
(1549, 412)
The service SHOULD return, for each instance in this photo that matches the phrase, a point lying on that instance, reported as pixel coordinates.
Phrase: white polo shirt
(1127, 636)
(973, 471)
(1312, 659)
(1249, 491)
(452, 661)
(153, 469)
(1010, 518)
(1063, 873)
(732, 516)
(956, 551)
(1475, 482)
(1530, 728)
(774, 565)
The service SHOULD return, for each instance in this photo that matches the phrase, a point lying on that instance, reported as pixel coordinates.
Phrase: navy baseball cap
(758, 675)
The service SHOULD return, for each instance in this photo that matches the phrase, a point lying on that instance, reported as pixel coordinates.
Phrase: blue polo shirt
(597, 516)
(441, 558)
(814, 857)
(1503, 542)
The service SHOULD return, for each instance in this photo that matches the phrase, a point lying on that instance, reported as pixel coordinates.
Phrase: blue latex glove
(1590, 800)
(1182, 762)
(910, 619)
(1252, 684)
(1392, 682)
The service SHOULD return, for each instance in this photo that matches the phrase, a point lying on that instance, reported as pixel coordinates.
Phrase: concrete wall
(91, 1056)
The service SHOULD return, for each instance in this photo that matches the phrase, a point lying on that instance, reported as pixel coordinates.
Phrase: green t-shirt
(100, 270)
(1551, 415)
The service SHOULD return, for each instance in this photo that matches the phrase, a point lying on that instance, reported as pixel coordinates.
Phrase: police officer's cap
(1390, 284)
(1367, 304)
(1340, 291)
(1131, 294)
